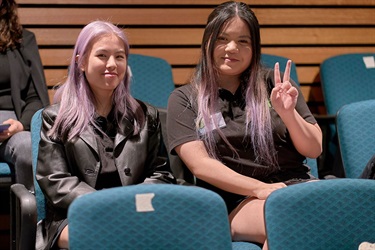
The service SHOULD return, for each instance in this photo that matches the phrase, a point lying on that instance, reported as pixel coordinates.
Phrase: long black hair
(206, 82)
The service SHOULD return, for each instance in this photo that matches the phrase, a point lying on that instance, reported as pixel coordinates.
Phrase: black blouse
(182, 128)
(5, 95)
(109, 176)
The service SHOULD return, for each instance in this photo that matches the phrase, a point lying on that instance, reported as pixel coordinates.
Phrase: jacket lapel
(90, 140)
(128, 129)
(18, 77)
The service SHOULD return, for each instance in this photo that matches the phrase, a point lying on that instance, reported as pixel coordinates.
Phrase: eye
(244, 41)
(221, 39)
(101, 55)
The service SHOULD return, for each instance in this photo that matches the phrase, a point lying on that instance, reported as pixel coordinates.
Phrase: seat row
(345, 79)
(329, 214)
(357, 115)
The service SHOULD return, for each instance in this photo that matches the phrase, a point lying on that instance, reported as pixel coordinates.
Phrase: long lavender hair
(206, 78)
(77, 101)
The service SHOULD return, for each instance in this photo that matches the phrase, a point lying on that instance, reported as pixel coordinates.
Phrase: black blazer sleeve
(28, 86)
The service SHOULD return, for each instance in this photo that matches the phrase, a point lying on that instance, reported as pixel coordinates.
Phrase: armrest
(327, 124)
(325, 119)
(179, 170)
(163, 122)
(23, 217)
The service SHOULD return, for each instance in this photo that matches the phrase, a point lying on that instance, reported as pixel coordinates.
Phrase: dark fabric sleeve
(369, 171)
(35, 95)
(32, 104)
(181, 118)
(157, 167)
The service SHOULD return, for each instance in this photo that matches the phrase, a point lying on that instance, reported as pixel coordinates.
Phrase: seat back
(152, 79)
(326, 214)
(5, 174)
(269, 61)
(356, 135)
(345, 79)
(153, 216)
(313, 164)
(36, 125)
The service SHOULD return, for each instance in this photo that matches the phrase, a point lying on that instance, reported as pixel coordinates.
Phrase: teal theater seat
(355, 124)
(152, 79)
(324, 214)
(345, 79)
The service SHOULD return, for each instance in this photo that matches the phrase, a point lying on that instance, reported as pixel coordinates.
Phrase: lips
(110, 74)
(230, 59)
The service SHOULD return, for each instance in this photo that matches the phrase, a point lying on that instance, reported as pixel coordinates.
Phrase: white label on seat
(143, 202)
(369, 61)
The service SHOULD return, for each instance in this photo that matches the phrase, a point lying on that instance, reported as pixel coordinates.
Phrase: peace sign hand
(284, 95)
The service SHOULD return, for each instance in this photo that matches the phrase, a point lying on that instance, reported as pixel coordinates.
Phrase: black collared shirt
(108, 176)
(182, 128)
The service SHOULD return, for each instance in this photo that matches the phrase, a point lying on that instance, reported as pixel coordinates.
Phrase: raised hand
(284, 95)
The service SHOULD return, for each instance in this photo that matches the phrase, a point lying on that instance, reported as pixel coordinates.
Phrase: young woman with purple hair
(96, 135)
(241, 129)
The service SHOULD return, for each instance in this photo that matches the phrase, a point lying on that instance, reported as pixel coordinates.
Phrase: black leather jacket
(67, 170)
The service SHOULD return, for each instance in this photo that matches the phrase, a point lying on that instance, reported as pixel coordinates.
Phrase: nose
(111, 63)
(231, 47)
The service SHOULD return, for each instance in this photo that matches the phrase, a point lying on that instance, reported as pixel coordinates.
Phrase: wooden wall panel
(306, 31)
(191, 16)
(193, 36)
(189, 56)
(205, 2)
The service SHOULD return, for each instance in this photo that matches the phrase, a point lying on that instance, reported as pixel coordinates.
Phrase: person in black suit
(23, 91)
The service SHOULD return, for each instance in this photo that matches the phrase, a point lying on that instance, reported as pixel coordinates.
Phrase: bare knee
(63, 240)
(241, 235)
(247, 221)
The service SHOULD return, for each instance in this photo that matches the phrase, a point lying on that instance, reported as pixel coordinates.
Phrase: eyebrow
(105, 50)
(242, 36)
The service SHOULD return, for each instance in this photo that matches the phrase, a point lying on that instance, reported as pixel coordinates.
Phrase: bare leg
(265, 246)
(247, 222)
(63, 241)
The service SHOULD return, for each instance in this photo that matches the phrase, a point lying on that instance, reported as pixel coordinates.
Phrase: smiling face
(233, 51)
(106, 65)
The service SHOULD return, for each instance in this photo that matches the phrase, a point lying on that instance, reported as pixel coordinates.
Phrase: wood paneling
(189, 56)
(203, 2)
(193, 36)
(192, 16)
(306, 31)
